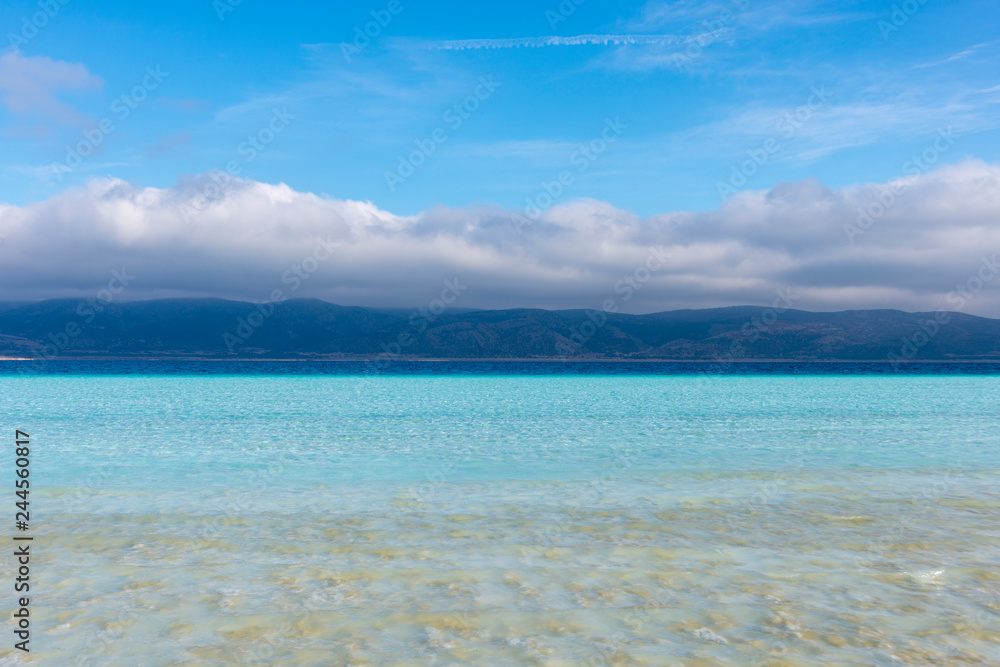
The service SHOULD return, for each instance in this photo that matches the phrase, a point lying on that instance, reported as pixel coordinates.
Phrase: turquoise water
(512, 519)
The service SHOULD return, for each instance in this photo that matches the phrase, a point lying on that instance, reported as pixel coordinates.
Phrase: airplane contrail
(537, 42)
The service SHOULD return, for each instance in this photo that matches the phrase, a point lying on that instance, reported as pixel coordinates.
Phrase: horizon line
(24, 303)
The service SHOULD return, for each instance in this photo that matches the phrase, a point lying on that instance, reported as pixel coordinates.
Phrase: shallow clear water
(512, 519)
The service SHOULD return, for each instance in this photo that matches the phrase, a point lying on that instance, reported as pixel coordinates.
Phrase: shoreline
(510, 360)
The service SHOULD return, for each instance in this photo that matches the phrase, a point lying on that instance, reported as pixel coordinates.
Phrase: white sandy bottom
(736, 569)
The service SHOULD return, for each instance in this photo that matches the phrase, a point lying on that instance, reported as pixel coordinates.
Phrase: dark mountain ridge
(309, 328)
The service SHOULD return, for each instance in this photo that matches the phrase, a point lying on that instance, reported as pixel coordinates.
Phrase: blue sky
(689, 119)
(540, 152)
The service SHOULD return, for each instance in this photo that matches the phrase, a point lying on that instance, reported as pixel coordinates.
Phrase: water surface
(484, 514)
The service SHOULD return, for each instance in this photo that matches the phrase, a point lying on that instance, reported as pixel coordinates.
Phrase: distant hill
(11, 305)
(303, 328)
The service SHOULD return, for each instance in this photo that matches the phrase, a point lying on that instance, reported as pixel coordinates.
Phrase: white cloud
(30, 86)
(930, 239)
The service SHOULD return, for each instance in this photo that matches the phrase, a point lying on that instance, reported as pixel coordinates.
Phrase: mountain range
(309, 328)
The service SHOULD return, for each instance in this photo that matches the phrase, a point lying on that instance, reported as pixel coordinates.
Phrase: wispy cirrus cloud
(961, 55)
(704, 27)
(661, 14)
(365, 98)
(839, 125)
(656, 14)
(31, 86)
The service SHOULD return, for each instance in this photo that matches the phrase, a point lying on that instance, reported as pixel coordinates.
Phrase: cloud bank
(908, 244)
